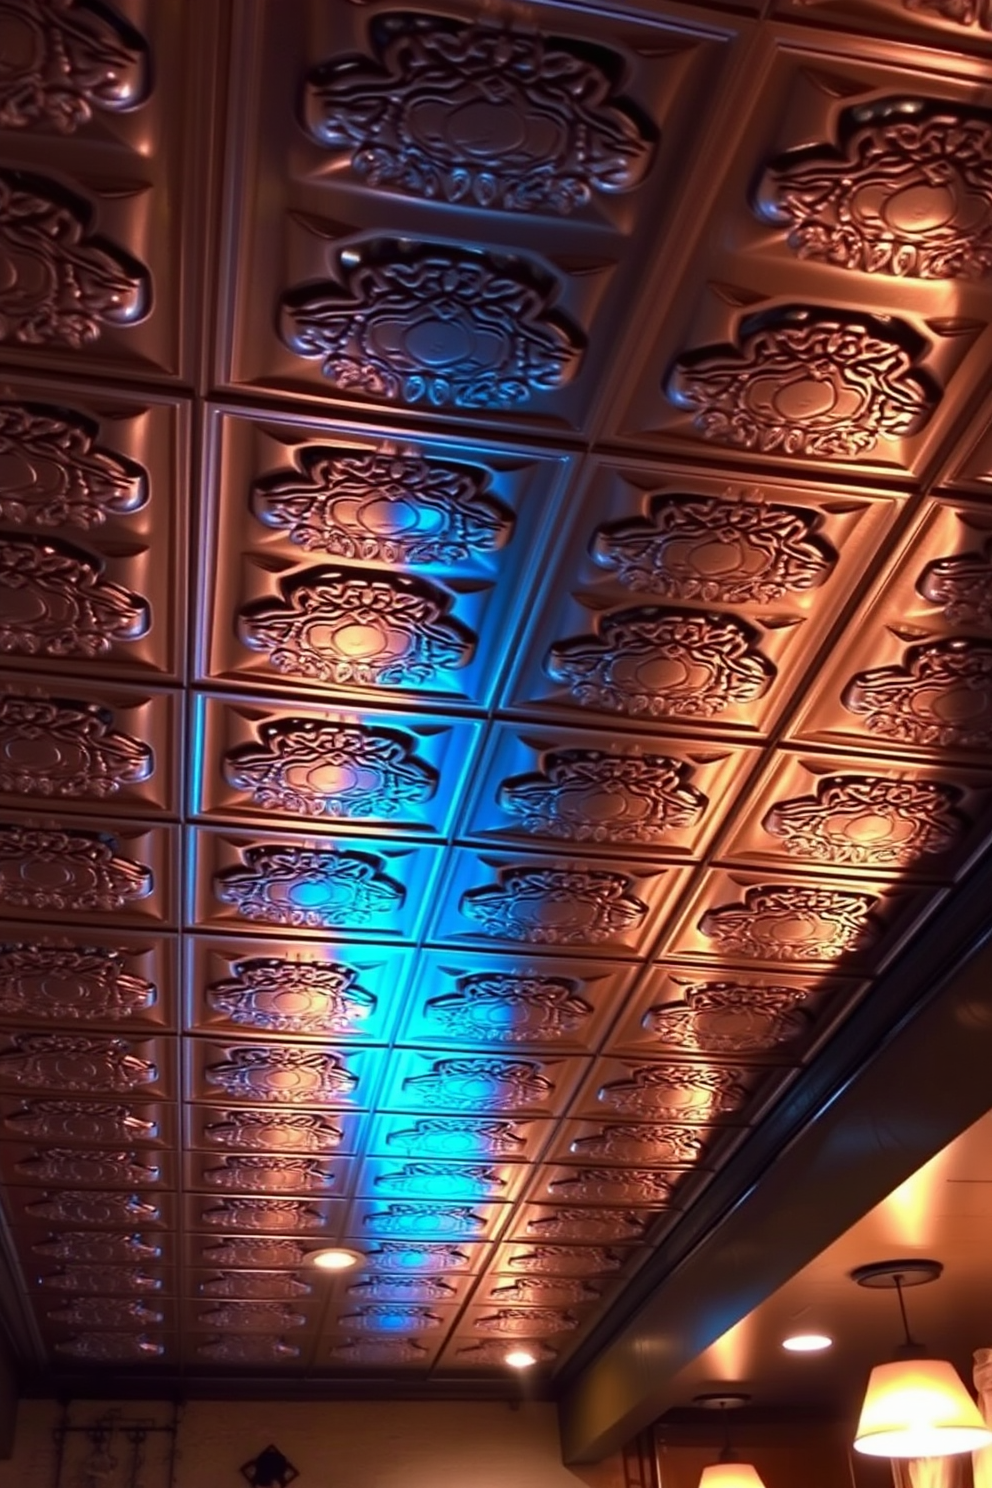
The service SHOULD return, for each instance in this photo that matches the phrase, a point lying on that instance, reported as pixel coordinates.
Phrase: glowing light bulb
(334, 1260)
(520, 1359)
(807, 1343)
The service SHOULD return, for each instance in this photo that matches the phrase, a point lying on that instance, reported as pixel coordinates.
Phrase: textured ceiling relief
(499, 1008)
(585, 795)
(56, 980)
(55, 474)
(57, 603)
(961, 586)
(46, 869)
(939, 695)
(865, 821)
(315, 997)
(314, 887)
(548, 906)
(790, 922)
(720, 1017)
(55, 747)
(63, 59)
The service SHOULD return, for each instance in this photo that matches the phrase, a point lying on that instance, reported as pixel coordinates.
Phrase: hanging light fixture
(727, 1472)
(914, 1406)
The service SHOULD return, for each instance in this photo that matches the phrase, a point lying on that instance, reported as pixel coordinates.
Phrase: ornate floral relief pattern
(56, 603)
(249, 1348)
(352, 629)
(435, 325)
(482, 1084)
(312, 887)
(263, 1214)
(274, 1131)
(961, 585)
(47, 869)
(402, 1255)
(676, 1092)
(261, 1317)
(404, 1289)
(390, 1317)
(261, 1285)
(60, 283)
(279, 996)
(659, 662)
(83, 1206)
(544, 1289)
(526, 1322)
(907, 190)
(869, 821)
(81, 1121)
(808, 381)
(940, 694)
(338, 770)
(480, 115)
(106, 1312)
(585, 1224)
(291, 1073)
(789, 922)
(55, 748)
(975, 13)
(556, 906)
(380, 1351)
(54, 474)
(621, 1185)
(588, 795)
(75, 1061)
(492, 1353)
(567, 1260)
(504, 1009)
(425, 1219)
(64, 982)
(442, 1136)
(717, 550)
(384, 507)
(118, 1280)
(111, 1347)
(270, 1175)
(678, 1146)
(62, 60)
(730, 1017)
(438, 1180)
(88, 1247)
(67, 1165)
(252, 1250)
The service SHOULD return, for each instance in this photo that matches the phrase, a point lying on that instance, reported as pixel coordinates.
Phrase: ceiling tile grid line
(459, 765)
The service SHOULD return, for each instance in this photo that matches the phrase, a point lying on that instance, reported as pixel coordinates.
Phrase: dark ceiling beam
(909, 1071)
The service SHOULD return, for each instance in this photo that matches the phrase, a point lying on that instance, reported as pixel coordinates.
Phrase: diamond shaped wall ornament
(63, 60)
(45, 869)
(906, 190)
(802, 380)
(505, 1009)
(727, 1017)
(962, 587)
(940, 695)
(322, 888)
(74, 1061)
(55, 474)
(482, 1084)
(790, 922)
(57, 604)
(423, 323)
(294, 1074)
(56, 980)
(479, 115)
(676, 1092)
(589, 795)
(868, 821)
(270, 1469)
(279, 996)
(551, 906)
(54, 747)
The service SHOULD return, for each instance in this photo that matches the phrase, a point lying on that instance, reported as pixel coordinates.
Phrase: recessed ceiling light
(807, 1343)
(336, 1259)
(520, 1359)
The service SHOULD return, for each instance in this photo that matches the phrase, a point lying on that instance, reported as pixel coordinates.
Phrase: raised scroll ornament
(64, 59)
(53, 473)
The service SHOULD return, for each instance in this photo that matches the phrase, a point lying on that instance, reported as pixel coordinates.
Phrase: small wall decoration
(270, 1469)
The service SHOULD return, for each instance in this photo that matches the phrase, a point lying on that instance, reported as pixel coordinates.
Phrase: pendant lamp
(727, 1472)
(915, 1406)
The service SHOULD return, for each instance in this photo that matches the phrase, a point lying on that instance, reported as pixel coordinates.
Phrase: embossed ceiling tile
(353, 771)
(56, 1314)
(421, 1290)
(255, 1286)
(480, 1084)
(428, 1322)
(345, 1352)
(467, 1352)
(224, 1214)
(510, 1322)
(93, 1208)
(79, 1247)
(68, 1121)
(944, 24)
(275, 1131)
(371, 889)
(601, 1264)
(75, 1348)
(843, 925)
(560, 903)
(603, 1183)
(512, 1002)
(661, 1143)
(863, 815)
(671, 1092)
(282, 1074)
(582, 1224)
(596, 793)
(82, 1167)
(250, 1315)
(688, 1011)
(104, 1065)
(275, 1252)
(267, 1173)
(71, 68)
(502, 1289)
(122, 981)
(74, 871)
(82, 1280)
(401, 1177)
(304, 990)
(430, 1220)
(226, 1351)
(477, 1138)
(426, 1258)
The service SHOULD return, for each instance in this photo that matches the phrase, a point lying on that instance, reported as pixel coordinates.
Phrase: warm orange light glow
(730, 1475)
(520, 1359)
(918, 1408)
(807, 1343)
(334, 1260)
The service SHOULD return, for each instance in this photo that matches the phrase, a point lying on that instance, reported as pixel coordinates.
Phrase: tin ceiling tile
(73, 870)
(119, 980)
(272, 1130)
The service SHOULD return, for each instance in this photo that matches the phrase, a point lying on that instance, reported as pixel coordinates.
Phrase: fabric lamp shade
(730, 1475)
(918, 1408)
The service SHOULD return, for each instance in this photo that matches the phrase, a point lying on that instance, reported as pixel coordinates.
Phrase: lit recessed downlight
(807, 1343)
(520, 1359)
(335, 1259)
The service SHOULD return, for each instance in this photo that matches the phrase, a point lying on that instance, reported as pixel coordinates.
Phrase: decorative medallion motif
(65, 982)
(526, 1322)
(67, 1165)
(976, 13)
(106, 1312)
(91, 1248)
(354, 629)
(270, 1175)
(63, 59)
(503, 1009)
(556, 906)
(104, 1281)
(434, 1180)
(75, 1061)
(56, 603)
(81, 1121)
(60, 282)
(339, 770)
(312, 887)
(907, 190)
(789, 922)
(808, 381)
(717, 551)
(249, 1348)
(279, 996)
(274, 1131)
(255, 1250)
(962, 587)
(869, 821)
(402, 1255)
(479, 115)
(263, 1285)
(729, 1017)
(668, 1146)
(940, 694)
(436, 325)
(48, 869)
(111, 1347)
(619, 1185)
(676, 1092)
(384, 507)
(98, 1207)
(291, 1073)
(589, 795)
(567, 1260)
(53, 747)
(264, 1214)
(491, 1352)
(584, 1224)
(260, 1317)
(404, 1289)
(425, 1219)
(54, 474)
(482, 1084)
(544, 1289)
(390, 1317)
(380, 1351)
(659, 662)
(442, 1136)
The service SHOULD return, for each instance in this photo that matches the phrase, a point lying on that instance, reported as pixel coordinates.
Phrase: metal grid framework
(497, 628)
